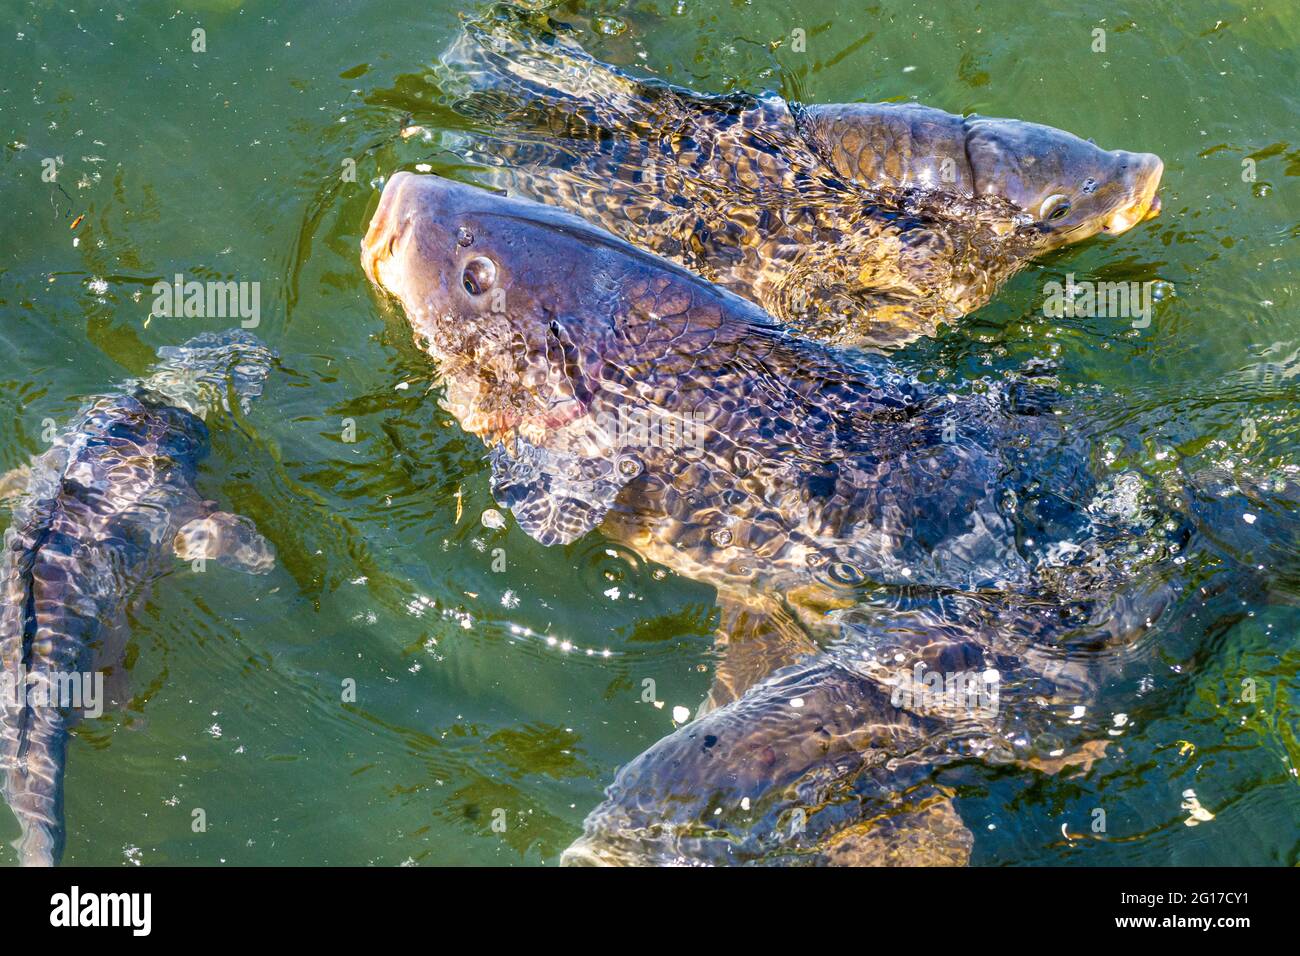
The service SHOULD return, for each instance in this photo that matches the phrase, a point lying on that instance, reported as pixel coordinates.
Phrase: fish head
(536, 319)
(568, 352)
(1069, 187)
(212, 370)
(499, 292)
(763, 779)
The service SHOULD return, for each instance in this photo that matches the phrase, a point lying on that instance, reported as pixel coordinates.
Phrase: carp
(107, 510)
(863, 224)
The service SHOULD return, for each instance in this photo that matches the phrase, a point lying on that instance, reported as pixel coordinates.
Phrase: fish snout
(386, 226)
(1145, 171)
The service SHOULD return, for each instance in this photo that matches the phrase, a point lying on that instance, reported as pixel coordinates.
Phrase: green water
(514, 696)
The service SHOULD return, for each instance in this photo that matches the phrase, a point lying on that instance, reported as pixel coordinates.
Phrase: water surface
(515, 695)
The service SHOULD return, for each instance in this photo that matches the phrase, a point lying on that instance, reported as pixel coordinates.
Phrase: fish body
(616, 389)
(103, 513)
(857, 224)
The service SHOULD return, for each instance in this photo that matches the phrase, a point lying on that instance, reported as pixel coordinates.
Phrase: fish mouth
(1146, 203)
(383, 232)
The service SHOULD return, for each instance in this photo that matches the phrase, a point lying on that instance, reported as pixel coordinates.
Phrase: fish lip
(1146, 204)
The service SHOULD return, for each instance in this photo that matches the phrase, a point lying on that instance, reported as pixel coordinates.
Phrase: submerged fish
(814, 766)
(859, 224)
(834, 760)
(815, 488)
(99, 516)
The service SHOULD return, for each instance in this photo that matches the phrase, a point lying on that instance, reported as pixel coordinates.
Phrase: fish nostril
(392, 244)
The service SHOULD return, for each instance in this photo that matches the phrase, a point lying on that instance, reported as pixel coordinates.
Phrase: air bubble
(844, 573)
(609, 26)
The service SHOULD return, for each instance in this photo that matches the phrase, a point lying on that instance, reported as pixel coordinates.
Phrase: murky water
(513, 695)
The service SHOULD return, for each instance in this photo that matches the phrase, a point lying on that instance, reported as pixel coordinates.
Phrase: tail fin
(35, 747)
(535, 59)
(211, 370)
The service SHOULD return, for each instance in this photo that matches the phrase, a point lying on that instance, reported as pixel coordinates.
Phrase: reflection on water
(482, 729)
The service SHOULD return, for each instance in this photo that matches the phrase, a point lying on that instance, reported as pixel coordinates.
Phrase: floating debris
(1193, 806)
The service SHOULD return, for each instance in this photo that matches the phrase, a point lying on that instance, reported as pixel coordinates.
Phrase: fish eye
(1054, 207)
(479, 275)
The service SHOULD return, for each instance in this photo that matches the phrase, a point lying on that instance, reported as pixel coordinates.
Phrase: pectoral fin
(230, 540)
(1082, 758)
(918, 832)
(555, 497)
(756, 637)
(14, 483)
